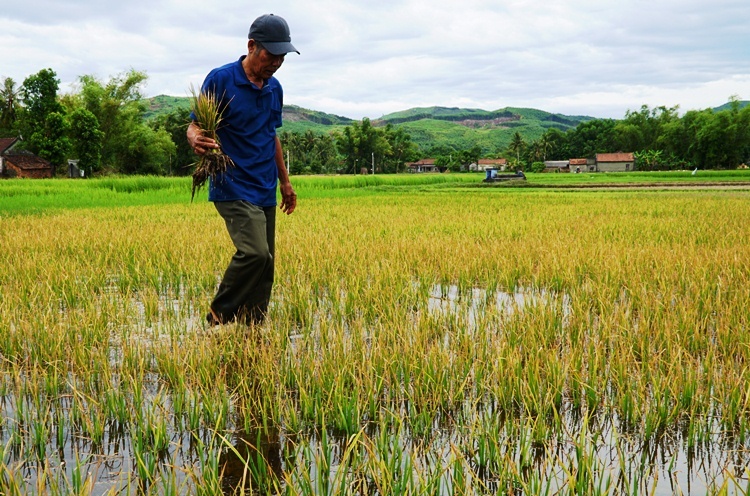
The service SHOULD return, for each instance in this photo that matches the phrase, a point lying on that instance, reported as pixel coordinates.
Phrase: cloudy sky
(367, 58)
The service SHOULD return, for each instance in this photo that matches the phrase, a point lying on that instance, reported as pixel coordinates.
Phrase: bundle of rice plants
(205, 106)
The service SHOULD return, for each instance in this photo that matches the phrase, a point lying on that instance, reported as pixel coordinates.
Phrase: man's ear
(252, 46)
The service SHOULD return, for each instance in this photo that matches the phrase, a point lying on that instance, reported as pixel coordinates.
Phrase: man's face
(266, 63)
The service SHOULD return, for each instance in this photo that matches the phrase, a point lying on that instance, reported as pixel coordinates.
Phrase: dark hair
(259, 46)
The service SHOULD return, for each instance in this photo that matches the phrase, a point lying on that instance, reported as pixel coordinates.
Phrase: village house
(20, 163)
(578, 165)
(424, 165)
(556, 166)
(615, 162)
(604, 162)
(489, 163)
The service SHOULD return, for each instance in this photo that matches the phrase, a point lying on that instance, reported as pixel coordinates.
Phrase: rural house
(424, 165)
(615, 162)
(22, 163)
(489, 163)
(582, 165)
(556, 166)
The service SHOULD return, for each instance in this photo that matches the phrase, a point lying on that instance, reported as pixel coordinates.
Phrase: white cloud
(371, 57)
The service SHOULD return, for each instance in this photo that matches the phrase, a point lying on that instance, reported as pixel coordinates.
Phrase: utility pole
(373, 163)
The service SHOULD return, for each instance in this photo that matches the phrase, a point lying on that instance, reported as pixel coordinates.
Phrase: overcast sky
(368, 58)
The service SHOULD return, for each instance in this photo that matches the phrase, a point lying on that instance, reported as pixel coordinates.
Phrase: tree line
(102, 124)
(659, 138)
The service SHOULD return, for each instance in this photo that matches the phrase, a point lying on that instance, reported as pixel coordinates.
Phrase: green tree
(175, 124)
(148, 151)
(42, 121)
(51, 141)
(402, 149)
(643, 130)
(117, 105)
(468, 157)
(309, 152)
(591, 137)
(86, 139)
(360, 143)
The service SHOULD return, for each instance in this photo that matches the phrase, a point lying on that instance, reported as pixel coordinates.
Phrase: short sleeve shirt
(247, 134)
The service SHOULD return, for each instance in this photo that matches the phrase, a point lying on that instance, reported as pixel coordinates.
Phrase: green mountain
(463, 128)
(163, 104)
(727, 106)
(429, 127)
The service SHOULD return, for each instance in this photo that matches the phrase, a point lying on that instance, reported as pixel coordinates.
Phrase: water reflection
(253, 462)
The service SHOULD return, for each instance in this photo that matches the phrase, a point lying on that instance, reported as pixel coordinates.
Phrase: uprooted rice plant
(206, 108)
(438, 342)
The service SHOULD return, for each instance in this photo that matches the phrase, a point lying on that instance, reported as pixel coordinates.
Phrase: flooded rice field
(440, 342)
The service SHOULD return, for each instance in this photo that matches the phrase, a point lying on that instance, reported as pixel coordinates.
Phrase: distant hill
(463, 128)
(428, 126)
(163, 104)
(728, 105)
(296, 118)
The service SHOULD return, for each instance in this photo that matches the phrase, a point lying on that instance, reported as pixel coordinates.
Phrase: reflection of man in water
(261, 450)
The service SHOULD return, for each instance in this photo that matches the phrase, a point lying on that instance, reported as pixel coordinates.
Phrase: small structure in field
(492, 176)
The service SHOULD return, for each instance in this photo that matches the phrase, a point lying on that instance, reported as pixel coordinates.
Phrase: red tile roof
(6, 143)
(424, 161)
(614, 157)
(27, 161)
(492, 161)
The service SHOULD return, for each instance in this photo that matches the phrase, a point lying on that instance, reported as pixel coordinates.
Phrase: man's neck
(251, 75)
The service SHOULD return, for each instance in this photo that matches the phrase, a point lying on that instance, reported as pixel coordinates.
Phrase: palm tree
(517, 145)
(546, 144)
(10, 102)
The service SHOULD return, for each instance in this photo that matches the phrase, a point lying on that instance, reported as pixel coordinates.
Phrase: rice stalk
(206, 108)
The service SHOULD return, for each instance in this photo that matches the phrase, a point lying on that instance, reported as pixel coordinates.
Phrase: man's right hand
(199, 143)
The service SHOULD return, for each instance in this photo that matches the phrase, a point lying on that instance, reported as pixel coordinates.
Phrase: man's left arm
(288, 196)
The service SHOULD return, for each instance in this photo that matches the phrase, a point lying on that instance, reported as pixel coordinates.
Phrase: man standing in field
(245, 195)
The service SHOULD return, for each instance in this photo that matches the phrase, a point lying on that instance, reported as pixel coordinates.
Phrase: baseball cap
(273, 32)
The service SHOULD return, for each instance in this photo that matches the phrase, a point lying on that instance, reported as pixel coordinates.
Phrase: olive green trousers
(245, 289)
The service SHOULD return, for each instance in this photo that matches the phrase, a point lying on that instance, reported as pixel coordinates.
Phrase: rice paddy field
(427, 336)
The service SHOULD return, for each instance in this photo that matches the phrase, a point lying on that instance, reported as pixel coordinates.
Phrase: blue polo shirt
(250, 117)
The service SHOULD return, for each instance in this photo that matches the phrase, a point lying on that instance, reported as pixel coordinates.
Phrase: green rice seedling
(168, 485)
(81, 481)
(208, 481)
(388, 464)
(216, 408)
(115, 406)
(145, 459)
(193, 412)
(487, 450)
(40, 435)
(206, 107)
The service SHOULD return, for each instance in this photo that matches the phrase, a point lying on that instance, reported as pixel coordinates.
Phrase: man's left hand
(288, 198)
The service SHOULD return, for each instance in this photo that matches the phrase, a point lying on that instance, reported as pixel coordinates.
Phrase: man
(245, 195)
